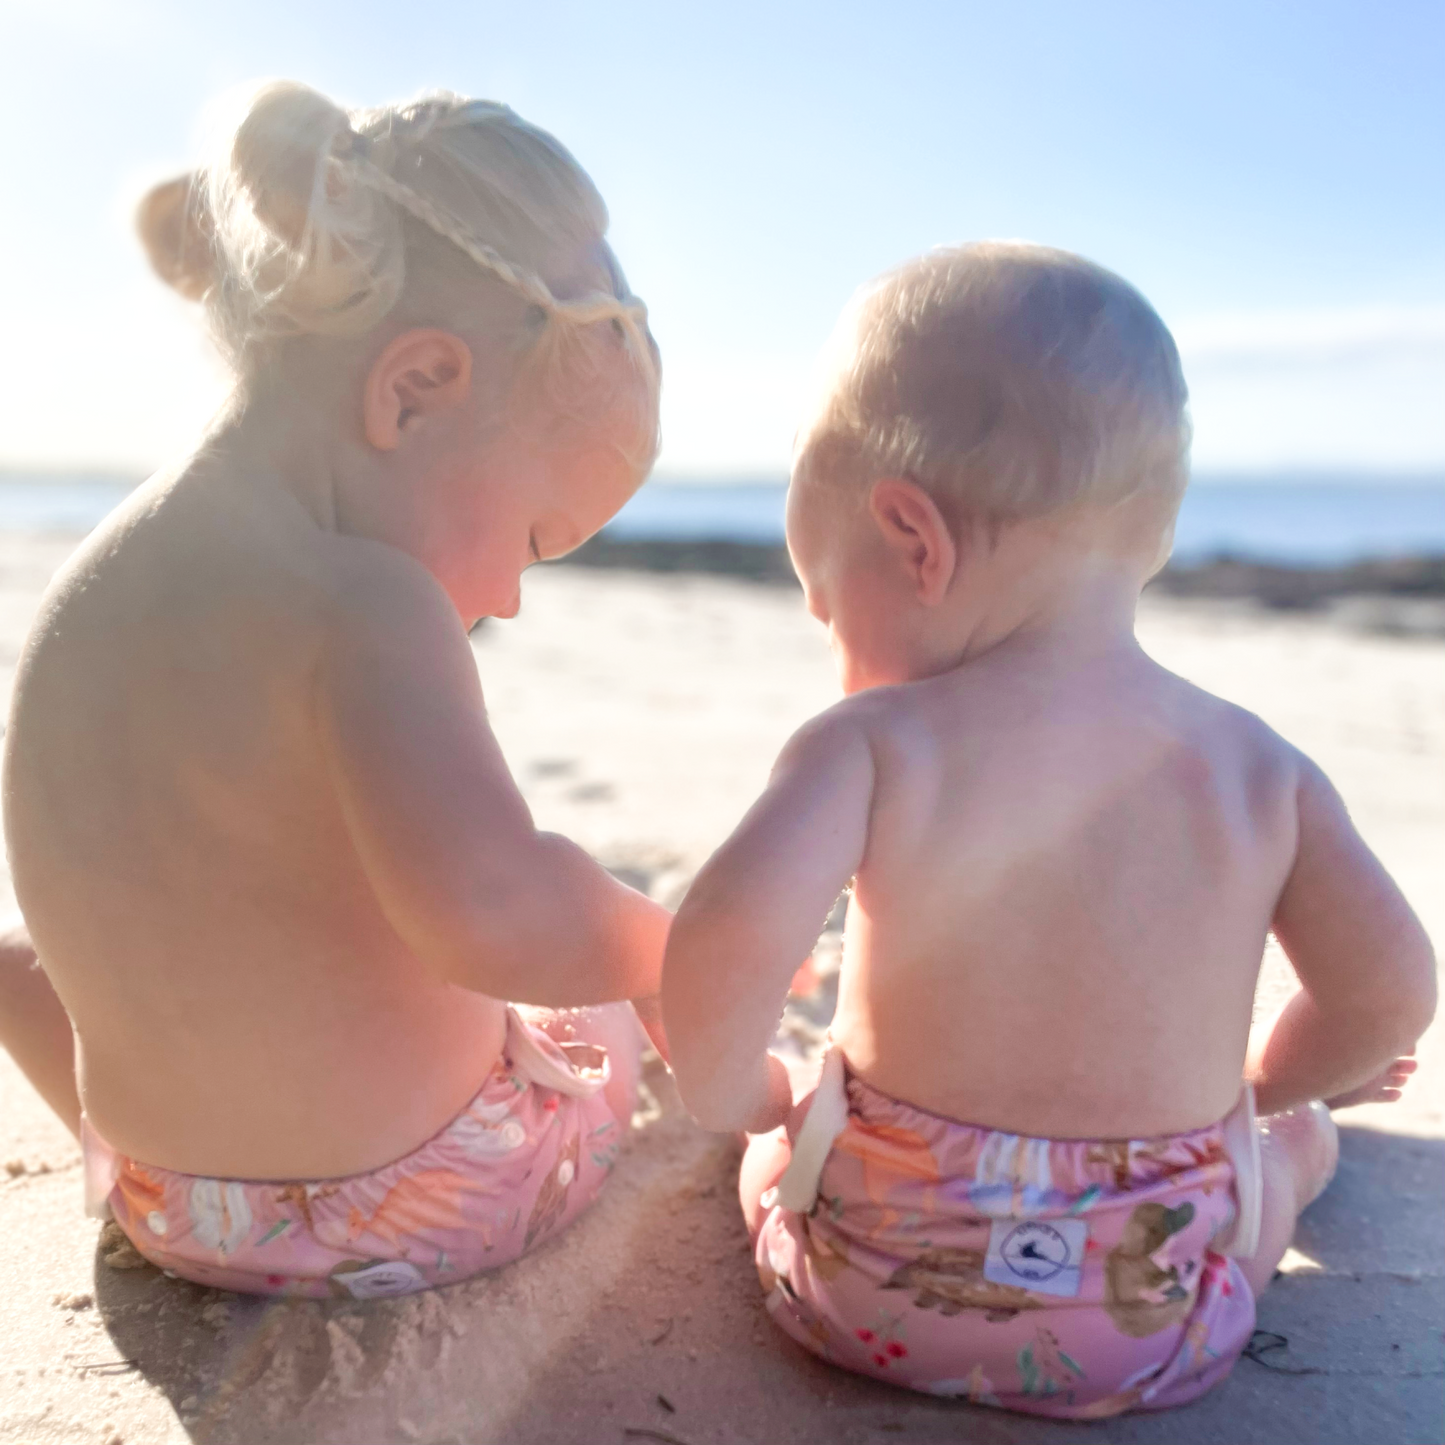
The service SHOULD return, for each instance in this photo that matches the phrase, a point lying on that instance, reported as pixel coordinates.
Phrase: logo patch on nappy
(1043, 1255)
(378, 1281)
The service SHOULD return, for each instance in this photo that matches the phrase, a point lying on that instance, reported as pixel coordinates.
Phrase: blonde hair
(314, 221)
(1010, 379)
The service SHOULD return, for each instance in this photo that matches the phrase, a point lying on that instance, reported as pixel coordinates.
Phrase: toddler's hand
(1384, 1088)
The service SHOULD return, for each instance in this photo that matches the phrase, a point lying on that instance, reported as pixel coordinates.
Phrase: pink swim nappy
(518, 1164)
(1070, 1278)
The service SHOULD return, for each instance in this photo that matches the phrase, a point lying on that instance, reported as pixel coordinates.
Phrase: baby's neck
(1072, 608)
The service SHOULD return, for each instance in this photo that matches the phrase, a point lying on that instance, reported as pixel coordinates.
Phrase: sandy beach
(641, 712)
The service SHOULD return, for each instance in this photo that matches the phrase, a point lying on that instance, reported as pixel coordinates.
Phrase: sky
(1270, 174)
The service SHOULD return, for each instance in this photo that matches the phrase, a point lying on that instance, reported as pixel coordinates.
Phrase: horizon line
(1291, 474)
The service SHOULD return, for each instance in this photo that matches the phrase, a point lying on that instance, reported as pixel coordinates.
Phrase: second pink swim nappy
(1071, 1278)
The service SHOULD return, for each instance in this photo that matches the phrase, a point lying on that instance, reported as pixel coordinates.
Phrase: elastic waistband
(532, 1054)
(990, 1155)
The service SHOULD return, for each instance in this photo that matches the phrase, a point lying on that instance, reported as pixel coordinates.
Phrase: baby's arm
(446, 839)
(753, 912)
(1365, 965)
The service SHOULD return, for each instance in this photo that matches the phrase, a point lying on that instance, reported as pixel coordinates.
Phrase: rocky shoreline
(1401, 596)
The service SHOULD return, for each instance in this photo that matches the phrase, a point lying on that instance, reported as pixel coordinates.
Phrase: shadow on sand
(645, 1323)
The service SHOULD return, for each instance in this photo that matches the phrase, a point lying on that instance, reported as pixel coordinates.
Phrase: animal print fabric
(517, 1165)
(1068, 1278)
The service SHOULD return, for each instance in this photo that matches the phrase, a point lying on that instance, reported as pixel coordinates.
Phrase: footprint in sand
(591, 793)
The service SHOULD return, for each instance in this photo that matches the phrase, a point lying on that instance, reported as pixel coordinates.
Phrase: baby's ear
(917, 534)
(420, 375)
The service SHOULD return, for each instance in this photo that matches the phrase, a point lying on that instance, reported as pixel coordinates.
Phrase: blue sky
(1269, 174)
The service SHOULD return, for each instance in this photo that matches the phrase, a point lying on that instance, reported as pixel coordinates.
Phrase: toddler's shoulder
(379, 591)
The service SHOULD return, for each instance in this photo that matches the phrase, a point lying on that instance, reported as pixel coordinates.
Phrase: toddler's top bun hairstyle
(311, 220)
(1011, 379)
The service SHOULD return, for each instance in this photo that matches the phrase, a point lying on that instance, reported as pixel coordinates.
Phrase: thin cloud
(1326, 336)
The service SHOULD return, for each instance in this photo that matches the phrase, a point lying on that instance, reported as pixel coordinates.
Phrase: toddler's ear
(915, 531)
(421, 374)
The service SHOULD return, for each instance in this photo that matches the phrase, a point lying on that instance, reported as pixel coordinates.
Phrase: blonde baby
(1031, 1173)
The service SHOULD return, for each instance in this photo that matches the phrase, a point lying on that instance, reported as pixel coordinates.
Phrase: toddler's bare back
(1070, 869)
(242, 1004)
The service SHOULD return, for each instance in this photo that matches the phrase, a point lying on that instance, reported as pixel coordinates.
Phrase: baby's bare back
(1070, 870)
(242, 1005)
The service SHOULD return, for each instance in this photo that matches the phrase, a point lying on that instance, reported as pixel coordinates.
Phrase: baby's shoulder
(1235, 744)
(1201, 711)
(874, 715)
(891, 726)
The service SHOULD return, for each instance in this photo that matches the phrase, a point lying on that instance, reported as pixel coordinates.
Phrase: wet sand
(640, 713)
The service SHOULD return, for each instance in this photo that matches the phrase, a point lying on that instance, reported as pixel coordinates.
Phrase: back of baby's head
(1010, 381)
(312, 221)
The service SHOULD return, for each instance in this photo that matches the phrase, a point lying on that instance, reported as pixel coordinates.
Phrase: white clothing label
(380, 1280)
(1043, 1255)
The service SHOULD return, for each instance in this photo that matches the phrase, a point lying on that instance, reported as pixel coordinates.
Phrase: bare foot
(1299, 1151)
(1306, 1137)
(1384, 1088)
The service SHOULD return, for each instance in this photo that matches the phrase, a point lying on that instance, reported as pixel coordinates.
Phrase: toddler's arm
(752, 913)
(445, 837)
(1365, 965)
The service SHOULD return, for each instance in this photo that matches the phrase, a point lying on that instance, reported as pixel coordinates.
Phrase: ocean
(1304, 521)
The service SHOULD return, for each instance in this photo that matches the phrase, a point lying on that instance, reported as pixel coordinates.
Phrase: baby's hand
(649, 1015)
(1384, 1088)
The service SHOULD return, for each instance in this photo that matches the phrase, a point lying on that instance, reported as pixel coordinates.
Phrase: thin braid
(584, 311)
(429, 214)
